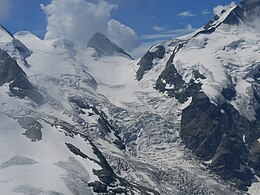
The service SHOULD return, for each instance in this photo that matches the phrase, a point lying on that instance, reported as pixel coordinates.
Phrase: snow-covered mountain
(50, 117)
(215, 72)
(183, 119)
(103, 46)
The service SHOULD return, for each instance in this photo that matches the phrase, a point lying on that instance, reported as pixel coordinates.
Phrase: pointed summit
(5, 35)
(246, 11)
(104, 46)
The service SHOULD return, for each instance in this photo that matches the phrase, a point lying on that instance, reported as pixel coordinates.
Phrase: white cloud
(189, 27)
(158, 28)
(5, 6)
(186, 14)
(219, 8)
(205, 12)
(122, 35)
(169, 34)
(149, 40)
(78, 20)
(143, 48)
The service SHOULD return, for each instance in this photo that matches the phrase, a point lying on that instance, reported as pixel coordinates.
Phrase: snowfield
(32, 167)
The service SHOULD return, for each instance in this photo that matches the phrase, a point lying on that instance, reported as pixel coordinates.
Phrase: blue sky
(142, 15)
(146, 17)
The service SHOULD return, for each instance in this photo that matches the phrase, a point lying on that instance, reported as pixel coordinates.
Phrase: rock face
(171, 81)
(33, 128)
(11, 72)
(24, 51)
(104, 46)
(246, 11)
(109, 182)
(146, 62)
(213, 133)
(104, 126)
(9, 69)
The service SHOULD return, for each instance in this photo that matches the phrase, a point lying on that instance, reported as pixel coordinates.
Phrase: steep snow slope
(14, 47)
(224, 63)
(32, 167)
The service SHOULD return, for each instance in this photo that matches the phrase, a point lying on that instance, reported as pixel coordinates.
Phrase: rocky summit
(104, 46)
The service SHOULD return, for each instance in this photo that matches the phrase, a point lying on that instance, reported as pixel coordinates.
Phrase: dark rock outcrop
(22, 88)
(146, 62)
(11, 72)
(98, 187)
(80, 102)
(229, 93)
(33, 128)
(246, 11)
(178, 88)
(103, 123)
(104, 46)
(253, 141)
(24, 51)
(254, 160)
(215, 133)
(202, 125)
(109, 182)
(9, 69)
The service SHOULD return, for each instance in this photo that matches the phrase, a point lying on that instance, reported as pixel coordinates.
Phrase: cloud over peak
(219, 8)
(122, 35)
(78, 20)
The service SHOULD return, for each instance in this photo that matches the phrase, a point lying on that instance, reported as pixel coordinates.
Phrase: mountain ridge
(104, 46)
(217, 73)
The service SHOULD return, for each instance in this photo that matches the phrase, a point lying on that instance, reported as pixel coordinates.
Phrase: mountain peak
(5, 35)
(246, 11)
(104, 46)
